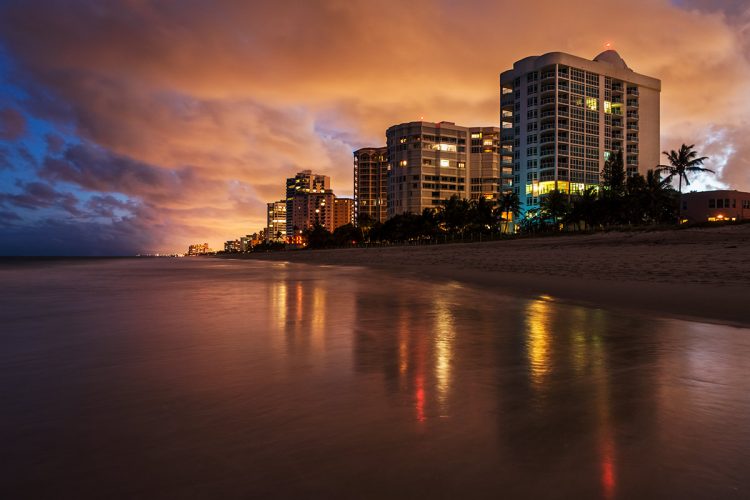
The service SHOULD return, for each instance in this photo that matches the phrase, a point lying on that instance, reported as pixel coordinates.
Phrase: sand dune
(692, 273)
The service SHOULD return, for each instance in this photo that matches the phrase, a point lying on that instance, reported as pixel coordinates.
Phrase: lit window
(592, 103)
(487, 142)
(608, 107)
(444, 163)
(461, 164)
(476, 135)
(403, 140)
(402, 163)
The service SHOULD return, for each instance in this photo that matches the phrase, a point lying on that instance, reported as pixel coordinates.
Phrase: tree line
(619, 200)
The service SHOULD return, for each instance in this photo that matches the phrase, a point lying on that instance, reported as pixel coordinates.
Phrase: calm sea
(206, 378)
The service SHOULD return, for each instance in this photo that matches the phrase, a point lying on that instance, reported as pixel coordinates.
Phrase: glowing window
(445, 163)
(476, 135)
(461, 164)
(608, 107)
(592, 103)
(487, 142)
(403, 163)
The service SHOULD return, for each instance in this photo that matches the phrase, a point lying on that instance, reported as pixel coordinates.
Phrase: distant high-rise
(563, 116)
(430, 162)
(276, 222)
(371, 184)
(303, 182)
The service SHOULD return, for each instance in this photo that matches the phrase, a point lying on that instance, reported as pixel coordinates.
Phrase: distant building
(371, 184)
(310, 209)
(276, 221)
(431, 162)
(562, 116)
(303, 182)
(343, 212)
(716, 206)
(232, 246)
(198, 249)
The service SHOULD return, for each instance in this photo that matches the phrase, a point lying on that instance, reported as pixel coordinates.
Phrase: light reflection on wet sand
(203, 377)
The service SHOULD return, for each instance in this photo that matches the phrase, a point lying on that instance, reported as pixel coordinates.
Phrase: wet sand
(697, 273)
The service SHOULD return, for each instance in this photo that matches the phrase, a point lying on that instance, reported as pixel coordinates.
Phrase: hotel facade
(563, 116)
(431, 162)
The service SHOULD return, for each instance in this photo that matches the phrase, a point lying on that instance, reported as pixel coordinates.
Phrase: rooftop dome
(613, 58)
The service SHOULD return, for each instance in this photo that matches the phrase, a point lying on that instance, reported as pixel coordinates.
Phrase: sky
(142, 126)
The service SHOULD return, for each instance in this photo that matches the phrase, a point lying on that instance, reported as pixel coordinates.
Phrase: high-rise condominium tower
(276, 221)
(430, 162)
(562, 117)
(371, 184)
(303, 182)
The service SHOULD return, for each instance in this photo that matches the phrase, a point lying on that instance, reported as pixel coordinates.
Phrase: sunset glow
(134, 126)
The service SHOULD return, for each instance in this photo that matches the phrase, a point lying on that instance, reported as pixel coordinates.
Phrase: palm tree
(680, 163)
(586, 208)
(509, 208)
(555, 206)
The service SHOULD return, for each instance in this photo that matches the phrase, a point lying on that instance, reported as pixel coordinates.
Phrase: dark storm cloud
(36, 195)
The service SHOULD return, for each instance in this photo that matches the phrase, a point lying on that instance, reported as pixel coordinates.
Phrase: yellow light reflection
(538, 315)
(444, 339)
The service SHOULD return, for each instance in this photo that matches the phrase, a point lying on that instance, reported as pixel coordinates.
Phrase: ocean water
(196, 378)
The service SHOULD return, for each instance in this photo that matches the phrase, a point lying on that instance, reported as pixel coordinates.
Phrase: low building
(715, 206)
(232, 246)
(198, 249)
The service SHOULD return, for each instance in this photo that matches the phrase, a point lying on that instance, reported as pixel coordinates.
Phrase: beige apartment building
(371, 184)
(430, 162)
(563, 116)
(343, 212)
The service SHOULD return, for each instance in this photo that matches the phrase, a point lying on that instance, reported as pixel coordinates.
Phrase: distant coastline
(698, 273)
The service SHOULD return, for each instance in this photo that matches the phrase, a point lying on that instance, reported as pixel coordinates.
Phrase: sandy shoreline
(701, 274)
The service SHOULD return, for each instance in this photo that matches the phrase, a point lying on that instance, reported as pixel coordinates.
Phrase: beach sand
(696, 273)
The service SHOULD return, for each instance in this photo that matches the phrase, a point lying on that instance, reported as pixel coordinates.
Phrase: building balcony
(547, 75)
(547, 88)
(633, 115)
(632, 91)
(632, 103)
(546, 138)
(547, 152)
(547, 114)
(507, 100)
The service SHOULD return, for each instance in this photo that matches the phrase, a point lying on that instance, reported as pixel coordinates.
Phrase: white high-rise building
(562, 116)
